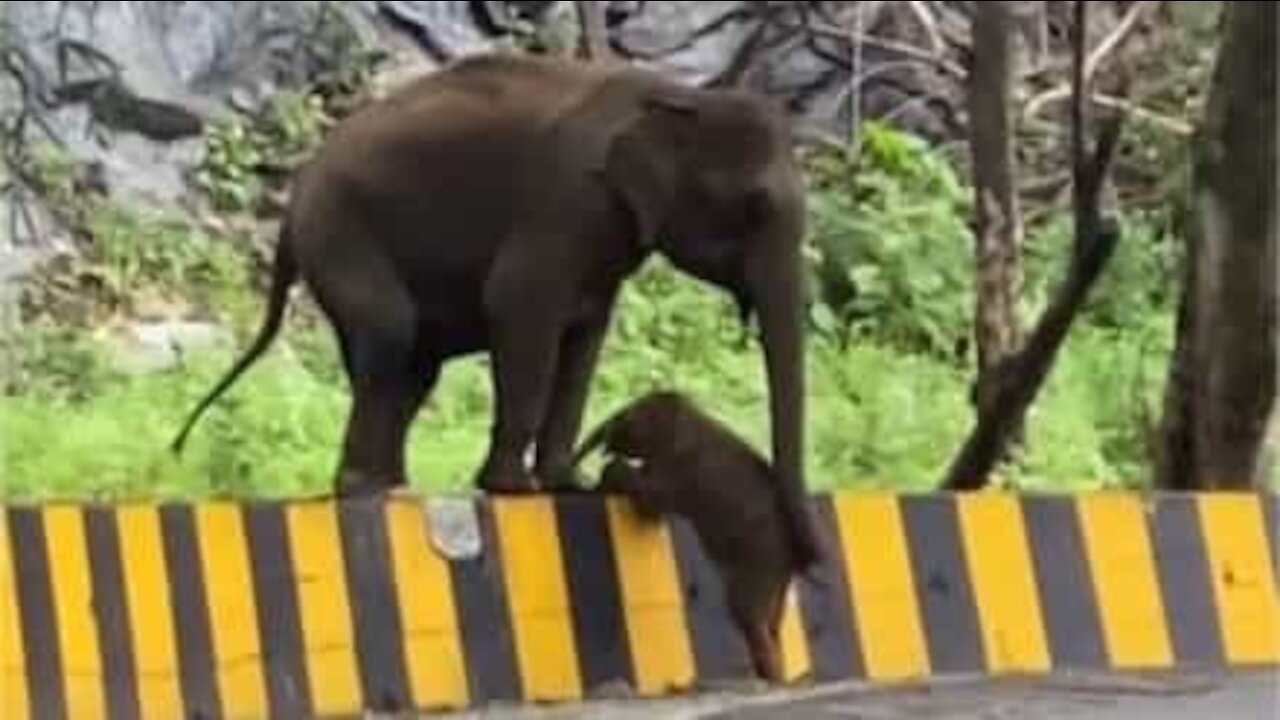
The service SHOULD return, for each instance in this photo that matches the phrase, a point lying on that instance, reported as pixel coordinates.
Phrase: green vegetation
(239, 152)
(889, 364)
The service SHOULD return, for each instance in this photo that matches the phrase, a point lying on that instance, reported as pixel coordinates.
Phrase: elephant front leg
(578, 356)
(524, 356)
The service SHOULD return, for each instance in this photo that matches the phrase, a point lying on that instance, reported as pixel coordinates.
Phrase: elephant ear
(640, 157)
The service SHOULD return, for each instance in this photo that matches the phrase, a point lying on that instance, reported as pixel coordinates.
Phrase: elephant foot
(567, 481)
(509, 487)
(354, 483)
(507, 483)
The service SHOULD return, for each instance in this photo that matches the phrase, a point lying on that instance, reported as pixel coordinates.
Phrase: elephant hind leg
(579, 352)
(756, 599)
(390, 364)
(388, 388)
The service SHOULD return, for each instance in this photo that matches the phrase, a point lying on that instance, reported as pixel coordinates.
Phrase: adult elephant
(496, 206)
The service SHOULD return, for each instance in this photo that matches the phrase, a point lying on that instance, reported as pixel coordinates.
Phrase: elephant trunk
(774, 277)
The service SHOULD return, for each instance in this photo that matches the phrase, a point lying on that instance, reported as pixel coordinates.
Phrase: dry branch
(1020, 376)
(594, 33)
(1114, 40)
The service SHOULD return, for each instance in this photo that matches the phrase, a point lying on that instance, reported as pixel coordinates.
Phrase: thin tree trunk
(1018, 377)
(594, 35)
(1222, 384)
(998, 219)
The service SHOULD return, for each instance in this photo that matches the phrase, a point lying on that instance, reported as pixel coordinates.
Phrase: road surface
(1242, 696)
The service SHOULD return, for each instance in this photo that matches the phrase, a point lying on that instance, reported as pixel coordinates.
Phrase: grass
(878, 417)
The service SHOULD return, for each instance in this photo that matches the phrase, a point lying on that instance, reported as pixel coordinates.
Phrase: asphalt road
(1245, 696)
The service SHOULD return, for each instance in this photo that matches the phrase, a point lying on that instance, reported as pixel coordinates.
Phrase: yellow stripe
(13, 664)
(1124, 580)
(538, 598)
(324, 608)
(233, 613)
(146, 585)
(428, 618)
(881, 587)
(657, 631)
(1000, 569)
(796, 662)
(73, 610)
(1244, 587)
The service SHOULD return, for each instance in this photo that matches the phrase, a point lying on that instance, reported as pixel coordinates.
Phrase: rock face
(131, 84)
(128, 87)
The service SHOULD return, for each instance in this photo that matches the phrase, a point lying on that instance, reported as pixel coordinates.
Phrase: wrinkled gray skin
(668, 457)
(496, 206)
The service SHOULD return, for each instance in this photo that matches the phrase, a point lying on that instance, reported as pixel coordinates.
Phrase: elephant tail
(283, 274)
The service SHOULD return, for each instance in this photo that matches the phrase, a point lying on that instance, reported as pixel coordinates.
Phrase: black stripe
(35, 608)
(1271, 516)
(943, 587)
(190, 612)
(835, 645)
(1183, 569)
(719, 650)
(279, 625)
(488, 641)
(374, 615)
(599, 628)
(110, 608)
(1064, 583)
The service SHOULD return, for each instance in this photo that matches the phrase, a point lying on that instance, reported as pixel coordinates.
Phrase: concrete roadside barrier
(319, 608)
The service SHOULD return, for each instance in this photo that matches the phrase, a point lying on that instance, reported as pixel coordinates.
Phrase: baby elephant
(668, 457)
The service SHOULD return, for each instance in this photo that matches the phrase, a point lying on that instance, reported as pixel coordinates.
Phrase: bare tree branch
(855, 81)
(1020, 377)
(943, 65)
(922, 14)
(1090, 65)
(1171, 125)
(738, 14)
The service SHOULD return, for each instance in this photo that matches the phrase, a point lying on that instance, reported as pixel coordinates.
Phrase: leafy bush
(134, 249)
(1141, 279)
(228, 173)
(58, 363)
(240, 152)
(892, 251)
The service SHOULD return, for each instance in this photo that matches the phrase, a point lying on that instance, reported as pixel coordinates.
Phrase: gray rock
(130, 85)
(455, 527)
(700, 42)
(663, 36)
(439, 27)
(141, 348)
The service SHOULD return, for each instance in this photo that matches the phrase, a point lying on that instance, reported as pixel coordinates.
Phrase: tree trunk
(1223, 378)
(594, 36)
(998, 219)
(1014, 382)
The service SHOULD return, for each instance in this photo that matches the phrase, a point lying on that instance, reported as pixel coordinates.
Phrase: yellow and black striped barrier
(316, 608)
